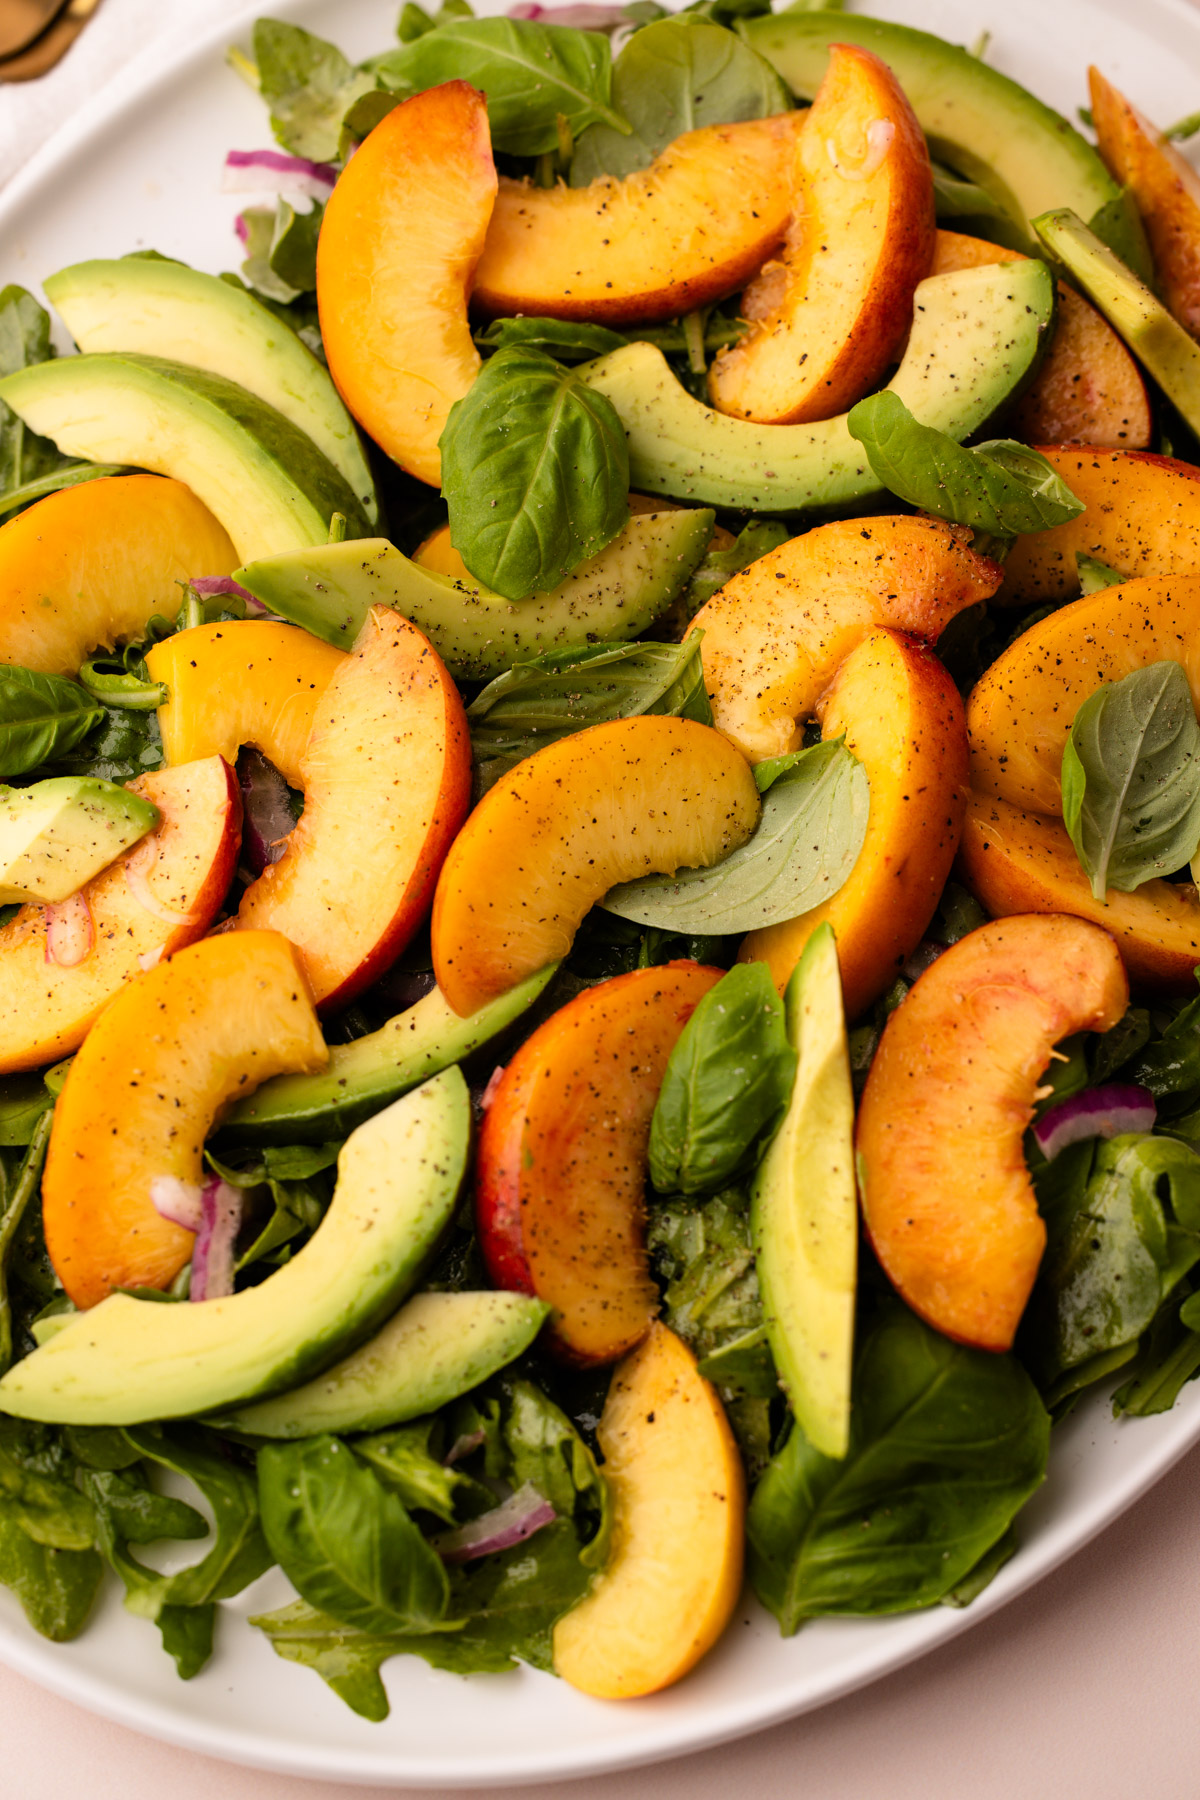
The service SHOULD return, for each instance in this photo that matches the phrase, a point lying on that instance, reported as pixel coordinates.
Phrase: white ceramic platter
(142, 169)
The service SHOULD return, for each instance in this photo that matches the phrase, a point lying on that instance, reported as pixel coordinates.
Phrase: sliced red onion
(1098, 1112)
(583, 17)
(242, 229)
(463, 1446)
(212, 1256)
(178, 1200)
(266, 816)
(511, 1523)
(271, 172)
(489, 1092)
(221, 584)
(136, 867)
(70, 932)
(150, 959)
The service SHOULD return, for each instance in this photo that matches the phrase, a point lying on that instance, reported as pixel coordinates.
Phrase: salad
(556, 763)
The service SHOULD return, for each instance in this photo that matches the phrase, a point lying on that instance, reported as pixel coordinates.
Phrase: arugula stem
(546, 172)
(27, 1183)
(693, 338)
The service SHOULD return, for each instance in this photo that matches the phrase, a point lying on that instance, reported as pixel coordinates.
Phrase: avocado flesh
(361, 1077)
(59, 833)
(265, 481)
(989, 128)
(1170, 353)
(976, 338)
(127, 1361)
(162, 308)
(479, 634)
(436, 1347)
(804, 1209)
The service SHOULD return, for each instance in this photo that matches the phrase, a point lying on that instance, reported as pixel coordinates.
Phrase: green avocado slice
(976, 338)
(127, 1361)
(57, 834)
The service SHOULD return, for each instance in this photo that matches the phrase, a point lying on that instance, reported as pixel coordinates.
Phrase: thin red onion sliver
(135, 875)
(462, 1446)
(221, 584)
(70, 932)
(511, 1523)
(1105, 1112)
(583, 16)
(242, 229)
(489, 1092)
(178, 1200)
(270, 171)
(212, 1257)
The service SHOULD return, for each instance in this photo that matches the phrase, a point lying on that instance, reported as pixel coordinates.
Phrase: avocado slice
(163, 308)
(127, 1361)
(804, 1209)
(479, 634)
(1170, 353)
(989, 128)
(264, 479)
(976, 338)
(361, 1077)
(57, 834)
(435, 1348)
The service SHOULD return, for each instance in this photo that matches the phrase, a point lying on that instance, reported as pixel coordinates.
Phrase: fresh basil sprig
(1003, 488)
(41, 716)
(1131, 779)
(535, 470)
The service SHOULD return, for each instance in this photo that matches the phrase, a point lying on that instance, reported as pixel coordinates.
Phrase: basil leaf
(726, 1085)
(756, 539)
(41, 716)
(24, 340)
(946, 1445)
(535, 470)
(814, 820)
(568, 340)
(1003, 488)
(1131, 779)
(308, 85)
(530, 73)
(675, 76)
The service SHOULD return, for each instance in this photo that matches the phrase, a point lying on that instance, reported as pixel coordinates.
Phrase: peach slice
(561, 1169)
(1088, 388)
(89, 565)
(1166, 188)
(946, 1195)
(674, 1573)
(386, 775)
(695, 225)
(830, 315)
(250, 681)
(640, 796)
(903, 719)
(1142, 517)
(147, 1086)
(402, 233)
(161, 895)
(1023, 862)
(775, 633)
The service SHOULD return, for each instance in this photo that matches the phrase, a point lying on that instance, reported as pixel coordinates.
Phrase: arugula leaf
(1003, 488)
(41, 716)
(946, 1445)
(813, 823)
(567, 340)
(535, 470)
(24, 340)
(1167, 1358)
(956, 198)
(403, 1458)
(38, 1491)
(1118, 224)
(1169, 1063)
(23, 1100)
(26, 1185)
(56, 1588)
(756, 539)
(70, 475)
(1131, 779)
(726, 1085)
(674, 76)
(531, 74)
(308, 85)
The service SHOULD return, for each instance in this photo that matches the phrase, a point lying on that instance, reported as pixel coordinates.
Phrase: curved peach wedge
(695, 225)
(830, 315)
(946, 1195)
(386, 775)
(775, 633)
(147, 1086)
(674, 1573)
(640, 796)
(561, 1167)
(89, 565)
(248, 681)
(161, 895)
(402, 233)
(903, 719)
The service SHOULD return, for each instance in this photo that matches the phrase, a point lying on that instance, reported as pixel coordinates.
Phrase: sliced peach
(674, 1573)
(151, 1079)
(89, 565)
(641, 796)
(1166, 188)
(386, 776)
(1088, 389)
(250, 681)
(775, 633)
(161, 895)
(1024, 862)
(946, 1194)
(902, 717)
(829, 316)
(695, 225)
(1142, 517)
(561, 1170)
(401, 236)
